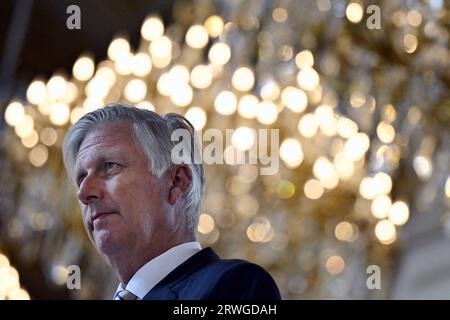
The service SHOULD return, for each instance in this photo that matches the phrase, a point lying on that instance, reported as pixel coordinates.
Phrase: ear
(181, 179)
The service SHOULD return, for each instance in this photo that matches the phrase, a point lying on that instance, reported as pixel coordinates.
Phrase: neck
(127, 264)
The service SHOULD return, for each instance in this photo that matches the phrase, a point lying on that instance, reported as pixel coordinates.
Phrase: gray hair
(153, 133)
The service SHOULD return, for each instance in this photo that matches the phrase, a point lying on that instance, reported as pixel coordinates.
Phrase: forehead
(105, 140)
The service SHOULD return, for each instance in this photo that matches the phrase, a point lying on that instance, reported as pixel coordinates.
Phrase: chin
(107, 243)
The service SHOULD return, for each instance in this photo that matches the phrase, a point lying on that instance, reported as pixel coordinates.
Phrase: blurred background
(359, 91)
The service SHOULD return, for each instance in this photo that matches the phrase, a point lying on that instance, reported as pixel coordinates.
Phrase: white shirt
(158, 268)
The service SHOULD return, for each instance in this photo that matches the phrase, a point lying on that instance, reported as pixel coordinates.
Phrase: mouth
(100, 215)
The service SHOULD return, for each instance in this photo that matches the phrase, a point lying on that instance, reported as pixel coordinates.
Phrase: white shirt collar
(159, 267)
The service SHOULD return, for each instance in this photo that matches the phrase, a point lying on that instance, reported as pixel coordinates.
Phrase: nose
(90, 190)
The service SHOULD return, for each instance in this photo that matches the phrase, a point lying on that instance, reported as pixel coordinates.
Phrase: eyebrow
(96, 162)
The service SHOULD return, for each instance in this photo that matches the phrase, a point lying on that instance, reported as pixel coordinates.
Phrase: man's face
(124, 206)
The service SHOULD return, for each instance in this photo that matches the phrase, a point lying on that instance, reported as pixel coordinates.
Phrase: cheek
(129, 196)
(150, 204)
(137, 198)
(119, 191)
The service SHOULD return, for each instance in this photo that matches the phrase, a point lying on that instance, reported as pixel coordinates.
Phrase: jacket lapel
(161, 294)
(163, 290)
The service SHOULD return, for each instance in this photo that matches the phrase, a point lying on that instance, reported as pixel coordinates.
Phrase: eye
(110, 165)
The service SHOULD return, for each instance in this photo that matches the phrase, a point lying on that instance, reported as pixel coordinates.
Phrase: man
(141, 210)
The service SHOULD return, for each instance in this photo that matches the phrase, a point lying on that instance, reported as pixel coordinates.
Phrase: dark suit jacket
(205, 276)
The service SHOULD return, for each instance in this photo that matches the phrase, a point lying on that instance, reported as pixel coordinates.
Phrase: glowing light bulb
(399, 213)
(201, 76)
(243, 79)
(14, 114)
(37, 92)
(142, 64)
(304, 59)
(161, 51)
(270, 91)
(38, 155)
(59, 113)
(31, 140)
(357, 146)
(381, 207)
(248, 106)
(243, 138)
(308, 79)
(183, 96)
(225, 103)
(345, 231)
(324, 170)
(267, 112)
(197, 37)
(219, 54)
(56, 87)
(214, 26)
(295, 99)
(354, 12)
(410, 42)
(205, 223)
(313, 189)
(197, 117)
(335, 265)
(83, 69)
(25, 127)
(385, 232)
(118, 48)
(48, 136)
(385, 132)
(291, 152)
(152, 28)
(307, 126)
(135, 90)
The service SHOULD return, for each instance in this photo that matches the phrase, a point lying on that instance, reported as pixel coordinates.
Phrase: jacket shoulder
(230, 279)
